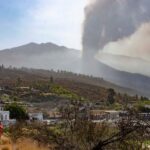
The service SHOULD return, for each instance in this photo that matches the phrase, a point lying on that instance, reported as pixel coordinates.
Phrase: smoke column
(131, 54)
(110, 20)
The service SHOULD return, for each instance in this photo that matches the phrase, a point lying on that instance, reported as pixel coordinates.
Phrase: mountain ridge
(51, 56)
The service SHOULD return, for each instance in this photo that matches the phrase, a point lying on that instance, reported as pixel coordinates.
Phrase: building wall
(36, 116)
(4, 115)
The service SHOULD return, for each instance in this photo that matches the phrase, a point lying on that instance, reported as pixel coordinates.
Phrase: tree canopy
(17, 112)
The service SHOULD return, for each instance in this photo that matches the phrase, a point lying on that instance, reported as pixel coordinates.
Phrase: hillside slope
(51, 56)
(76, 82)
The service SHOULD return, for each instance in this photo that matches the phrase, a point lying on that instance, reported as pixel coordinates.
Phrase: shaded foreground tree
(110, 97)
(131, 133)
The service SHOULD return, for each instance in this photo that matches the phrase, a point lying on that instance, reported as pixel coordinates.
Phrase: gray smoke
(110, 20)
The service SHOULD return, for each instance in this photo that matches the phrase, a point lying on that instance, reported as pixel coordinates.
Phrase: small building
(36, 116)
(145, 116)
(106, 115)
(4, 115)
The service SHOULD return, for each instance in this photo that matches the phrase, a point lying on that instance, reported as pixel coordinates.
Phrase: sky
(57, 21)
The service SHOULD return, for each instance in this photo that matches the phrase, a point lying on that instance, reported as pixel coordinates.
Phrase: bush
(17, 112)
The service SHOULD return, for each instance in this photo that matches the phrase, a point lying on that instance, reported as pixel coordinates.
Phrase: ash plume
(110, 20)
(131, 54)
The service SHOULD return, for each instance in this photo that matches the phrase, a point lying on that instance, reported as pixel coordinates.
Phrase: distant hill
(45, 56)
(9, 76)
(51, 56)
(126, 63)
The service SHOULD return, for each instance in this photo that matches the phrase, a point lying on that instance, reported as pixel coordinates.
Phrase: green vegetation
(17, 112)
(5, 97)
(71, 101)
(144, 102)
(80, 134)
(110, 98)
(142, 105)
(59, 90)
(116, 106)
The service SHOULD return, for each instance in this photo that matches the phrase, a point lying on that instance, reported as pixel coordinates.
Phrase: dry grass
(22, 144)
(5, 143)
(27, 144)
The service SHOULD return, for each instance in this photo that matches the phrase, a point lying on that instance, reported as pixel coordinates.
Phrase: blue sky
(24, 21)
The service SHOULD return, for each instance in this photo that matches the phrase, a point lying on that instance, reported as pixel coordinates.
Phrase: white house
(4, 115)
(36, 116)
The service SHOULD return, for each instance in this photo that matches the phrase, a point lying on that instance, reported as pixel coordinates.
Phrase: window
(5, 117)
